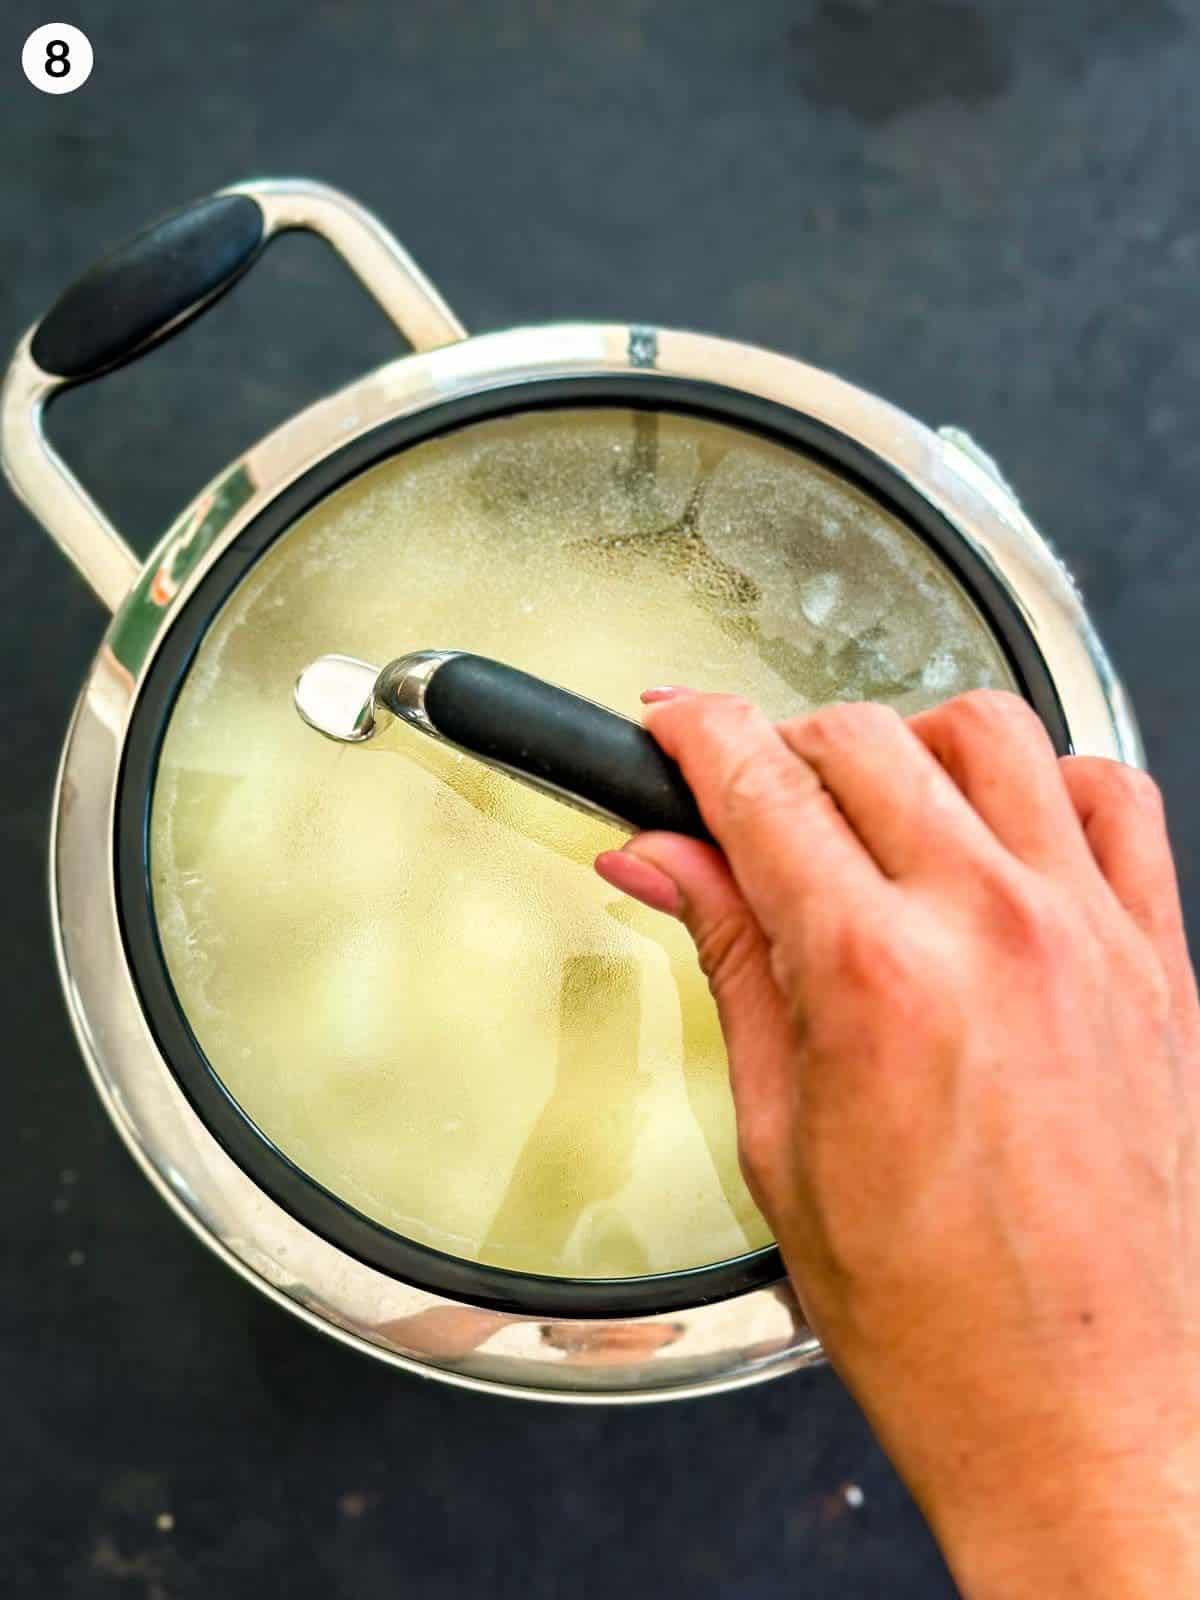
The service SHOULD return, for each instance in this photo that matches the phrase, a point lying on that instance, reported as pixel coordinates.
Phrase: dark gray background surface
(987, 213)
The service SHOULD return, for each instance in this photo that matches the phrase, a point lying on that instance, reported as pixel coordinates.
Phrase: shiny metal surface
(335, 695)
(708, 1347)
(379, 261)
(42, 480)
(401, 687)
(350, 701)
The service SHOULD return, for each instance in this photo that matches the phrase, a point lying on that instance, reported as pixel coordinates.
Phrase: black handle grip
(557, 738)
(149, 287)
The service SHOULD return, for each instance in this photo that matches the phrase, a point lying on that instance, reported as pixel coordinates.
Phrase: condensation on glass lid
(399, 962)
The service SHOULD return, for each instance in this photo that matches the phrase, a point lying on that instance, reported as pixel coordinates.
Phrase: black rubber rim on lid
(312, 1204)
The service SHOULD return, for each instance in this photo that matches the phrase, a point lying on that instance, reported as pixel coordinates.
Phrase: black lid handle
(561, 742)
(572, 748)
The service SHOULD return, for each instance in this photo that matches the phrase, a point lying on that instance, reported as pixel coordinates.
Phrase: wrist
(1119, 1528)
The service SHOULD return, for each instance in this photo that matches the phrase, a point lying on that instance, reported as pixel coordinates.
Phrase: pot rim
(699, 1348)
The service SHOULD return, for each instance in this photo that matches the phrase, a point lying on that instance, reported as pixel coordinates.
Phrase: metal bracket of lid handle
(48, 487)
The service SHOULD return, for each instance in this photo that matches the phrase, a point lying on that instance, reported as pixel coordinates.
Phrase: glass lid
(398, 962)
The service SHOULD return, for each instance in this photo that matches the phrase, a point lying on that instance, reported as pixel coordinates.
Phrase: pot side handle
(149, 289)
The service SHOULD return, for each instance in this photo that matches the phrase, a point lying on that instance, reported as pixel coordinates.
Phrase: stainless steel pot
(680, 1334)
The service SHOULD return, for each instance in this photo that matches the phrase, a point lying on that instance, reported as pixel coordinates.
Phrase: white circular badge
(57, 58)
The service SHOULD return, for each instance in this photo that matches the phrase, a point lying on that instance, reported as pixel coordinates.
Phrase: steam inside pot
(399, 962)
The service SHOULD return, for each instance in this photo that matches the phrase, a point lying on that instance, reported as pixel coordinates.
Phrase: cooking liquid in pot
(399, 962)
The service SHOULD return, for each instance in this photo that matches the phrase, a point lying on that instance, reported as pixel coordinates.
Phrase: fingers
(1121, 811)
(995, 748)
(788, 846)
(731, 947)
(896, 796)
(640, 879)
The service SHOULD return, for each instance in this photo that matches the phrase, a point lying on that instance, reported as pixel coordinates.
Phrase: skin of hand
(964, 1044)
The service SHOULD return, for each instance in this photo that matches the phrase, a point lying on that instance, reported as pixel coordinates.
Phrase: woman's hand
(964, 1041)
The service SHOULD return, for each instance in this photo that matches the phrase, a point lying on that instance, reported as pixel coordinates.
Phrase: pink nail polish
(639, 880)
(666, 691)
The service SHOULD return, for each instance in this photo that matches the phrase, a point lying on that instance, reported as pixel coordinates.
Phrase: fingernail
(666, 691)
(639, 880)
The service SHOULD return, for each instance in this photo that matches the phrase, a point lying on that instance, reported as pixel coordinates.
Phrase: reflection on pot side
(580, 1150)
(400, 962)
(702, 1049)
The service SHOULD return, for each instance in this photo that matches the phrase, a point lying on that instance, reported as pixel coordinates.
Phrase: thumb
(692, 881)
